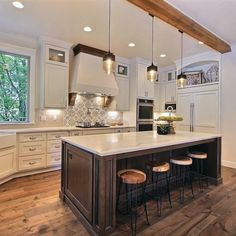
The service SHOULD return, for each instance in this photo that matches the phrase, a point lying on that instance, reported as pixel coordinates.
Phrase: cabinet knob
(32, 137)
(32, 162)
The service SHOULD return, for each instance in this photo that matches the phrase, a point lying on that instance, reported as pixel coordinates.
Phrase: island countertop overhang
(114, 144)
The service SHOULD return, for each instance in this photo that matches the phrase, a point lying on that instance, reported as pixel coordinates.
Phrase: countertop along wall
(228, 108)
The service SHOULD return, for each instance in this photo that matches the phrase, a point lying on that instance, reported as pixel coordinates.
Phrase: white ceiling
(217, 16)
(65, 19)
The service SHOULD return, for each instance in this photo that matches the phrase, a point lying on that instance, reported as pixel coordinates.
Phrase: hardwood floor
(31, 206)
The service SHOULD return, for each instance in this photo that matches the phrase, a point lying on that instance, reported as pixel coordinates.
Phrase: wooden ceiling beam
(176, 18)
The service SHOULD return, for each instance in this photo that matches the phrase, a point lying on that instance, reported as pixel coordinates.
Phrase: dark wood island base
(88, 180)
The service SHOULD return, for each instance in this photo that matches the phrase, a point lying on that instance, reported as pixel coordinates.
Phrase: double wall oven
(144, 114)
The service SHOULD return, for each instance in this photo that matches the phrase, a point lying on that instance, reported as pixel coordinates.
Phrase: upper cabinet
(54, 73)
(145, 87)
(122, 99)
(57, 55)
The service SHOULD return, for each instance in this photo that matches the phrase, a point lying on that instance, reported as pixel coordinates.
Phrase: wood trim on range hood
(176, 18)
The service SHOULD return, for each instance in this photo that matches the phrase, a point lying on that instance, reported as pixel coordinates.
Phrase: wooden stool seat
(132, 176)
(181, 160)
(197, 155)
(158, 167)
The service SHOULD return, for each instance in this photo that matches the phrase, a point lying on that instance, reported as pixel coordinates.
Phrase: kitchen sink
(7, 140)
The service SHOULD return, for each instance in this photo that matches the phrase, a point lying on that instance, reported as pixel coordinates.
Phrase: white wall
(228, 108)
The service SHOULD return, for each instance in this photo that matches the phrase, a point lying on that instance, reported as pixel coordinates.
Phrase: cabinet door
(56, 55)
(149, 89)
(206, 111)
(183, 109)
(79, 181)
(122, 99)
(141, 75)
(170, 92)
(56, 86)
(7, 162)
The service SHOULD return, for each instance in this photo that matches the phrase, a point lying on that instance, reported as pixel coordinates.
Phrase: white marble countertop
(111, 144)
(61, 128)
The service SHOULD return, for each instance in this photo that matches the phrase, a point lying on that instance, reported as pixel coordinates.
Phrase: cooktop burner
(89, 125)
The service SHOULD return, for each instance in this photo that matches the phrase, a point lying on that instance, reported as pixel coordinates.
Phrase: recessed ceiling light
(163, 55)
(87, 29)
(18, 4)
(200, 42)
(131, 45)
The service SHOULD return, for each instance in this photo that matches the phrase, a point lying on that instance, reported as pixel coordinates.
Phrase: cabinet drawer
(128, 130)
(76, 133)
(56, 135)
(28, 163)
(53, 146)
(54, 159)
(32, 137)
(32, 148)
(100, 131)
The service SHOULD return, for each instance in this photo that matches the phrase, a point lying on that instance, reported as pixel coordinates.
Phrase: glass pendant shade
(152, 73)
(181, 80)
(109, 63)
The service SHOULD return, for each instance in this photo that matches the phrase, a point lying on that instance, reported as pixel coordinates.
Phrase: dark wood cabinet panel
(78, 184)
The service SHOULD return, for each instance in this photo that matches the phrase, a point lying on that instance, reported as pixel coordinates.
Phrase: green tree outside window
(14, 88)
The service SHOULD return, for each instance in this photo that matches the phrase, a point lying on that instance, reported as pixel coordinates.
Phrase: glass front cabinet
(56, 55)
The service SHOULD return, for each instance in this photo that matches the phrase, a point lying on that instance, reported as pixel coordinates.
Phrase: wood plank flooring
(31, 206)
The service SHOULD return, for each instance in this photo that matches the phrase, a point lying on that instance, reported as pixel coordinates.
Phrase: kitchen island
(90, 165)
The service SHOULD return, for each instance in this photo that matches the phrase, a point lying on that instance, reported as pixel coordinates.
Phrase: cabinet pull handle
(57, 146)
(32, 162)
(57, 159)
(32, 149)
(58, 136)
(32, 137)
(70, 155)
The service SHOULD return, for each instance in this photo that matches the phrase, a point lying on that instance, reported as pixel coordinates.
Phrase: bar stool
(199, 158)
(133, 178)
(182, 170)
(159, 169)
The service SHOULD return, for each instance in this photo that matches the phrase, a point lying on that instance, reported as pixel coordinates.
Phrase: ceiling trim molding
(174, 17)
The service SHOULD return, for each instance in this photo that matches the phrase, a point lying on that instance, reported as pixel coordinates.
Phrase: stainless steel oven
(144, 115)
(144, 126)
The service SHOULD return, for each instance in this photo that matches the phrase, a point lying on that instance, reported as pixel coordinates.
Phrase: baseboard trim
(32, 172)
(230, 164)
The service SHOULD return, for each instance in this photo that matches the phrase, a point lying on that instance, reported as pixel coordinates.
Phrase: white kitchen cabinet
(54, 73)
(7, 162)
(170, 92)
(122, 99)
(200, 111)
(55, 86)
(145, 87)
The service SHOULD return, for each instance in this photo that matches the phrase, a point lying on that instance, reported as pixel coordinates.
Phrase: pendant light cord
(152, 36)
(109, 30)
(181, 50)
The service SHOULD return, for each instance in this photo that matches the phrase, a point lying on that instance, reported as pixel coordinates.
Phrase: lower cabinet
(200, 111)
(79, 177)
(32, 162)
(7, 162)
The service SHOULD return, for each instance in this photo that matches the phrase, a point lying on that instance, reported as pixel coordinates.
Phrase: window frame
(31, 53)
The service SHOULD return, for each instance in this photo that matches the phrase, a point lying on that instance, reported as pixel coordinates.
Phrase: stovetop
(90, 125)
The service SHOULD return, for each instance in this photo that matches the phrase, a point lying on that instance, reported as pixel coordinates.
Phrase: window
(16, 82)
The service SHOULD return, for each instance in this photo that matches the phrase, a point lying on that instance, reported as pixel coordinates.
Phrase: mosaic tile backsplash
(89, 108)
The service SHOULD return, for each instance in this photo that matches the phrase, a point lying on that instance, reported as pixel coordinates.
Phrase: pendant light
(109, 58)
(152, 69)
(181, 78)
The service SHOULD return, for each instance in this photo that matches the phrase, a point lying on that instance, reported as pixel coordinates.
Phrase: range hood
(88, 75)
